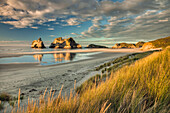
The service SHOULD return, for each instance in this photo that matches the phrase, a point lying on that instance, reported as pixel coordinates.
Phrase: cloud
(17, 9)
(51, 20)
(147, 25)
(44, 11)
(130, 18)
(51, 29)
(73, 21)
(56, 23)
(97, 20)
(74, 33)
(23, 23)
(34, 27)
(52, 35)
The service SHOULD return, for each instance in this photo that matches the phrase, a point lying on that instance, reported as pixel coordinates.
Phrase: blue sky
(88, 21)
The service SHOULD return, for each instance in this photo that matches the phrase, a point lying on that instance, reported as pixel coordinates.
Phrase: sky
(87, 21)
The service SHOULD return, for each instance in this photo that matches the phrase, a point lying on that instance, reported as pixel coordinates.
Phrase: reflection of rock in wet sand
(64, 56)
(38, 57)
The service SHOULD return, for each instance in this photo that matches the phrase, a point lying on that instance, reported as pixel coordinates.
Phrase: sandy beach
(2, 55)
(105, 55)
(33, 78)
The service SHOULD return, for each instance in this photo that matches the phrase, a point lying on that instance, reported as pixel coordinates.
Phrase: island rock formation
(38, 44)
(95, 46)
(64, 43)
(123, 45)
(139, 44)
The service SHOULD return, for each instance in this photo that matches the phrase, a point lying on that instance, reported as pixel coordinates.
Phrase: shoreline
(33, 78)
(5, 55)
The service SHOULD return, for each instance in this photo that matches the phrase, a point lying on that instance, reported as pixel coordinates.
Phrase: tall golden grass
(142, 87)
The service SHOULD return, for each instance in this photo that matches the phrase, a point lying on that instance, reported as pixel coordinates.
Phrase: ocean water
(21, 46)
(43, 59)
(48, 59)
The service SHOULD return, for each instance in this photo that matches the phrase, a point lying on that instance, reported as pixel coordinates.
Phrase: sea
(7, 47)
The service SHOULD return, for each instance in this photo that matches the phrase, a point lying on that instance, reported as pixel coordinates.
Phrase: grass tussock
(141, 87)
(5, 97)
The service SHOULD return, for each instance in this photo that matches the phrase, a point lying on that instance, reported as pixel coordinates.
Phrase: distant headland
(70, 43)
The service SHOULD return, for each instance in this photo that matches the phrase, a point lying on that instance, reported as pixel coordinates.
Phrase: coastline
(4, 55)
(33, 78)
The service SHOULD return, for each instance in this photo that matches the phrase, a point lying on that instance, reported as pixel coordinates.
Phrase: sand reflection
(38, 57)
(58, 57)
(64, 56)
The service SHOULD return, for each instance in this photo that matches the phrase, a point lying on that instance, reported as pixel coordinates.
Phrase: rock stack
(124, 45)
(38, 44)
(95, 46)
(65, 43)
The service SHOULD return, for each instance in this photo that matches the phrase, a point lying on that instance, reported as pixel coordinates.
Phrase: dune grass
(107, 68)
(140, 87)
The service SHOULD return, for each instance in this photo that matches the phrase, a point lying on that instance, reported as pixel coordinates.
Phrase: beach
(78, 56)
(33, 78)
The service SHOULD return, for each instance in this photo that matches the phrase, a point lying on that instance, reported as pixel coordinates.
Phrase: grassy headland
(162, 42)
(159, 43)
(142, 86)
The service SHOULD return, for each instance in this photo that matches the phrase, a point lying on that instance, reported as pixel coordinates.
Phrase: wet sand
(71, 51)
(33, 78)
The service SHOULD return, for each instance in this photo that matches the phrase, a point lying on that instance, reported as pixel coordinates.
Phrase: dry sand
(33, 79)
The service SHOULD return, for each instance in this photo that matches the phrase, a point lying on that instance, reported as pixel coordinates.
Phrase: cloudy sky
(88, 21)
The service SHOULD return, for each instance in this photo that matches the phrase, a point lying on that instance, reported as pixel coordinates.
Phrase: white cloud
(27, 13)
(51, 20)
(150, 24)
(74, 34)
(34, 27)
(23, 23)
(97, 20)
(72, 21)
(56, 23)
(52, 35)
(51, 29)
(44, 11)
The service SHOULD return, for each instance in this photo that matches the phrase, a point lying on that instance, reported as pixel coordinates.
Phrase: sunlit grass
(107, 68)
(162, 42)
(1, 105)
(141, 87)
